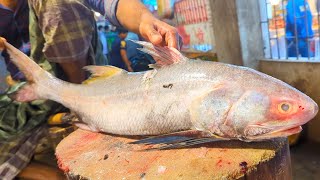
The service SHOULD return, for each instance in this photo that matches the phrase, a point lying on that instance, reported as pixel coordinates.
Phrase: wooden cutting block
(88, 155)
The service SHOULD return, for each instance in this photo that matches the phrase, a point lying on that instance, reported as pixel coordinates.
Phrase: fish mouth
(286, 132)
(277, 133)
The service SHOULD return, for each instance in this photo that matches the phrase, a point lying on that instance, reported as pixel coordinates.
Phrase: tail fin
(39, 81)
(28, 67)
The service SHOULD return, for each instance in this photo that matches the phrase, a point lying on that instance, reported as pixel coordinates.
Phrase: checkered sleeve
(110, 7)
(67, 27)
(106, 7)
(97, 5)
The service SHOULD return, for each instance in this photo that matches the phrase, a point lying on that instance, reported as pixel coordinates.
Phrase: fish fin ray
(186, 143)
(189, 143)
(98, 72)
(172, 137)
(179, 140)
(162, 55)
(41, 84)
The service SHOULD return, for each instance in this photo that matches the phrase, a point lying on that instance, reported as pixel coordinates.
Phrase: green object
(17, 118)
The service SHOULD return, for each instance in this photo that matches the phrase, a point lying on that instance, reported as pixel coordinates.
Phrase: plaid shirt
(68, 29)
(59, 25)
(21, 128)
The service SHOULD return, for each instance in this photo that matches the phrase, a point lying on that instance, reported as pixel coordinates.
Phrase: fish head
(269, 110)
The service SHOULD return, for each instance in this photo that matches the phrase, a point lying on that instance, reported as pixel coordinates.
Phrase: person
(13, 138)
(103, 40)
(299, 28)
(63, 40)
(14, 27)
(140, 61)
(118, 52)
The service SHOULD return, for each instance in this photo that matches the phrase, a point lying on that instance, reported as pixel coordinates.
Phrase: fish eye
(284, 107)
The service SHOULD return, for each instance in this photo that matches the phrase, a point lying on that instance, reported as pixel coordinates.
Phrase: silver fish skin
(222, 100)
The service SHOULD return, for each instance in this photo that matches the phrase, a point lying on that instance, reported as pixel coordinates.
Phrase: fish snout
(315, 109)
(311, 111)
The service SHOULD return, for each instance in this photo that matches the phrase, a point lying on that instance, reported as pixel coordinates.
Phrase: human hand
(135, 17)
(159, 32)
(130, 69)
(2, 40)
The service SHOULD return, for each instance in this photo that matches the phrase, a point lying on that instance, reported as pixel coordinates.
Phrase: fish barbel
(179, 94)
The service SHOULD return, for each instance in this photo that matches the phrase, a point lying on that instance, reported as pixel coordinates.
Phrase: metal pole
(285, 36)
(318, 10)
(295, 29)
(306, 26)
(277, 37)
(268, 30)
(262, 22)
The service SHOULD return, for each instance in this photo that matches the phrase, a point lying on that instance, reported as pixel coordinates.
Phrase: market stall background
(193, 20)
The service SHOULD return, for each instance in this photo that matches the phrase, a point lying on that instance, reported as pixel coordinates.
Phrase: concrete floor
(305, 159)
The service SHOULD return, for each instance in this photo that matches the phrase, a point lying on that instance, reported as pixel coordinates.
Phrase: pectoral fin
(178, 140)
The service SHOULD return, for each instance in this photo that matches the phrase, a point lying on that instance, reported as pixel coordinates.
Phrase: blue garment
(132, 49)
(14, 28)
(103, 40)
(298, 20)
(116, 59)
(299, 10)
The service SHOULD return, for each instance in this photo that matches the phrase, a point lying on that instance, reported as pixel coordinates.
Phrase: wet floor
(305, 159)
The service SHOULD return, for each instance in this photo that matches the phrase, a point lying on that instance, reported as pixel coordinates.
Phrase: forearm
(125, 59)
(133, 9)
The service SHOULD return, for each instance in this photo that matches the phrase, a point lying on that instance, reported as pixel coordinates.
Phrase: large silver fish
(179, 94)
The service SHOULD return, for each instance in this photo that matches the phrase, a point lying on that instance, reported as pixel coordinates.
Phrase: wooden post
(237, 31)
(226, 31)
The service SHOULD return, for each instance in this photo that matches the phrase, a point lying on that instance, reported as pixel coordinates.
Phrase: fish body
(221, 100)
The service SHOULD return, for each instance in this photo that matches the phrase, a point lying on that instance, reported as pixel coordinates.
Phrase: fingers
(172, 39)
(153, 35)
(170, 34)
(158, 32)
(2, 40)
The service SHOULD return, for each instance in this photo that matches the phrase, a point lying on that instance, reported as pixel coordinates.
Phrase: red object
(184, 35)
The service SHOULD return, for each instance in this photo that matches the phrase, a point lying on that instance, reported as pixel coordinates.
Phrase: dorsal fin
(99, 72)
(162, 55)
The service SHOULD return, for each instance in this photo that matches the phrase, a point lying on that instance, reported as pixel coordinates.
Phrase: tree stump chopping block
(88, 155)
